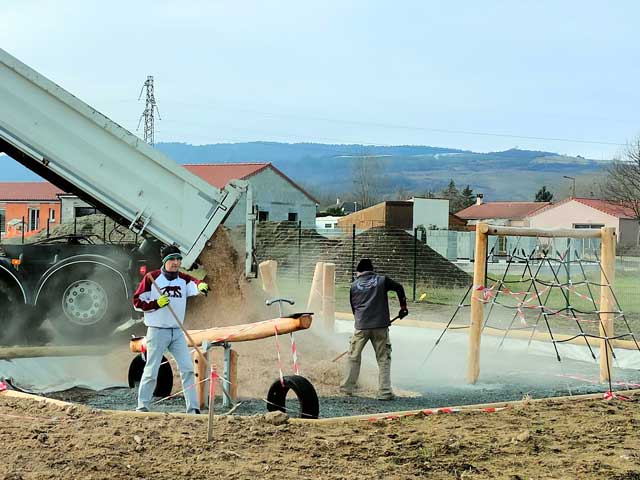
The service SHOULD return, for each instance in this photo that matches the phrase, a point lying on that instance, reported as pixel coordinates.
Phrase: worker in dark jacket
(370, 307)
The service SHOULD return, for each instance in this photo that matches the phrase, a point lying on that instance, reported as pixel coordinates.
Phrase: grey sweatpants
(159, 340)
(379, 338)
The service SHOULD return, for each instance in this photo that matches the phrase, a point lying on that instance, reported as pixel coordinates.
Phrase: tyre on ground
(303, 389)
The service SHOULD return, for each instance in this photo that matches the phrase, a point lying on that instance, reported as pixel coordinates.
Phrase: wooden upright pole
(607, 304)
(233, 376)
(200, 372)
(314, 304)
(269, 274)
(329, 297)
(477, 306)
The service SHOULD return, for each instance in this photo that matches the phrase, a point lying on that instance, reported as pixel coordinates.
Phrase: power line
(418, 128)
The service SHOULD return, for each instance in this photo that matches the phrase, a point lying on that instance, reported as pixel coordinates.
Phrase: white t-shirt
(145, 299)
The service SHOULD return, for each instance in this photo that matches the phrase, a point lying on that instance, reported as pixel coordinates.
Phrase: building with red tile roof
(589, 213)
(277, 197)
(25, 207)
(500, 213)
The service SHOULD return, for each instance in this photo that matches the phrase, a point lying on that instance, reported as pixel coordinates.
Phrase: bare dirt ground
(546, 439)
(549, 439)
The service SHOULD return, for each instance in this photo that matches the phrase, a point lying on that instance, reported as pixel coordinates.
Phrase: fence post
(567, 259)
(607, 303)
(299, 248)
(104, 230)
(75, 225)
(22, 229)
(415, 260)
(329, 297)
(47, 228)
(477, 307)
(353, 251)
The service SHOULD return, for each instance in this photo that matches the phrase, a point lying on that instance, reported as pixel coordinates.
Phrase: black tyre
(165, 376)
(85, 302)
(307, 396)
(11, 320)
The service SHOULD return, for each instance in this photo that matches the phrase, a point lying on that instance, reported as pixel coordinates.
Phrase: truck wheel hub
(85, 302)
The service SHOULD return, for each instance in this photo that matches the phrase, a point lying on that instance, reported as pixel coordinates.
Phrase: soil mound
(234, 300)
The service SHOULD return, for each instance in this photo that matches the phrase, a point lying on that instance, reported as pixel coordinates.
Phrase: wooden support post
(314, 304)
(200, 372)
(607, 303)
(269, 274)
(477, 306)
(329, 297)
(211, 399)
(233, 376)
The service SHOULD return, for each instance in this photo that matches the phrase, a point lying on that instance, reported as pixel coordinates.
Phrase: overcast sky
(466, 74)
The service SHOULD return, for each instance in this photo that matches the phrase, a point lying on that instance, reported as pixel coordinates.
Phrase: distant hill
(326, 170)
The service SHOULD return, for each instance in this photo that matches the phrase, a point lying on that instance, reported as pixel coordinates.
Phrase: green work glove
(203, 287)
(163, 301)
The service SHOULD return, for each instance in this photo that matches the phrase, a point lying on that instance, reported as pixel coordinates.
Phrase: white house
(326, 223)
(277, 196)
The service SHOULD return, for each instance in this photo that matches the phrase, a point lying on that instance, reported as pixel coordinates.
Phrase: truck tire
(10, 318)
(307, 396)
(86, 301)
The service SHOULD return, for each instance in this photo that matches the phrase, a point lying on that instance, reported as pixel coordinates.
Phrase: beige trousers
(379, 338)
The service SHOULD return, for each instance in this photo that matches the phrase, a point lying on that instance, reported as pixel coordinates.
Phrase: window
(328, 225)
(34, 219)
(84, 211)
(3, 219)
(263, 216)
(293, 217)
(52, 215)
(588, 225)
(502, 245)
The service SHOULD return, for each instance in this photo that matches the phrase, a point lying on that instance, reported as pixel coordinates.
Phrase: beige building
(589, 213)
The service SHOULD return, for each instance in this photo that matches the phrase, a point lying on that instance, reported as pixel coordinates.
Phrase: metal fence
(97, 228)
(436, 266)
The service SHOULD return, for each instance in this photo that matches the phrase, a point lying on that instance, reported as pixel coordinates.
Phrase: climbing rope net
(550, 293)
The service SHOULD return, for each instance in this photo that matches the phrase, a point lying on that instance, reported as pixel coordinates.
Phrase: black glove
(403, 312)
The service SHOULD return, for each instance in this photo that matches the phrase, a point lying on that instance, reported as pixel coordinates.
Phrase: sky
(484, 76)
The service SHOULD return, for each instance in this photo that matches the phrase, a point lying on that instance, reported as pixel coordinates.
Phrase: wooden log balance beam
(488, 229)
(240, 333)
(8, 353)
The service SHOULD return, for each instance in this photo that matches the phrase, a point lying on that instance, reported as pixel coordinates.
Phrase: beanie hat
(364, 265)
(169, 252)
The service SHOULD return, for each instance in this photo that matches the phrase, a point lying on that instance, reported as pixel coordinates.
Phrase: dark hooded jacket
(369, 301)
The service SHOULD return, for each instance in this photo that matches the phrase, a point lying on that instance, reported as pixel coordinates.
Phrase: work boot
(346, 391)
(386, 397)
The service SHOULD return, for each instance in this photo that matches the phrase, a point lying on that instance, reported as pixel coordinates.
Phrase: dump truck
(84, 287)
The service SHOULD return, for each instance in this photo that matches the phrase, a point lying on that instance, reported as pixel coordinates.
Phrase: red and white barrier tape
(275, 327)
(613, 395)
(294, 355)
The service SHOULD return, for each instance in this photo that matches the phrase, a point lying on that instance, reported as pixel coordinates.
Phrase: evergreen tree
(544, 195)
(451, 192)
(467, 198)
